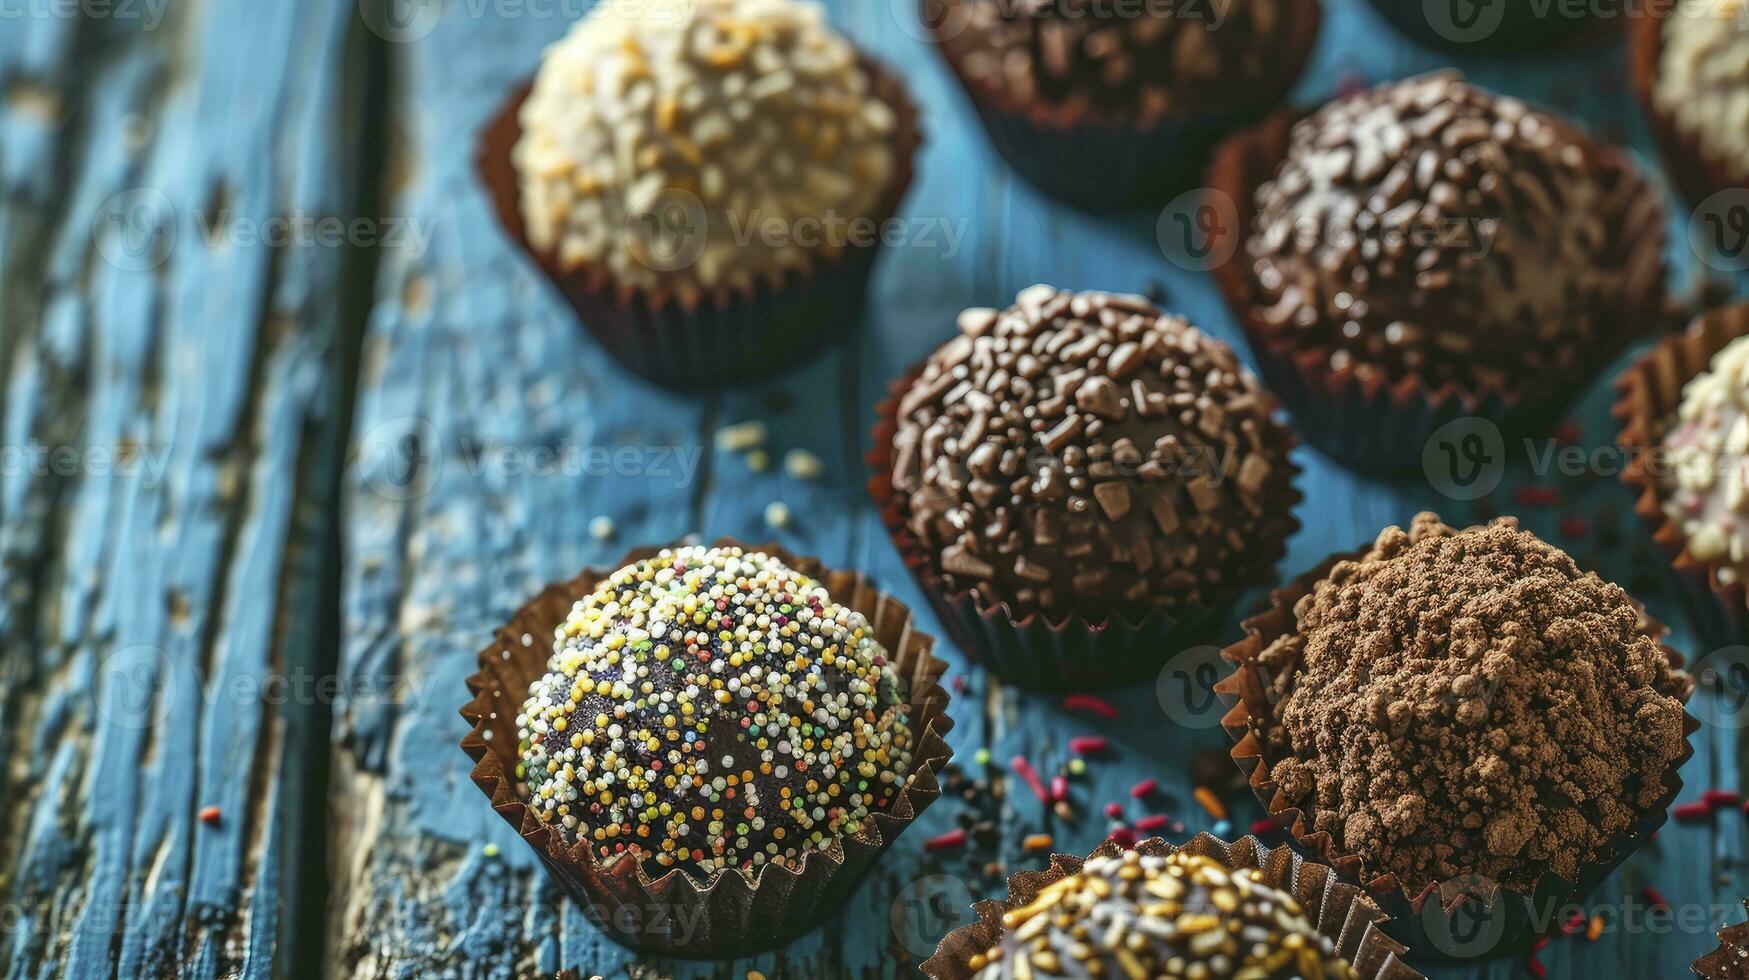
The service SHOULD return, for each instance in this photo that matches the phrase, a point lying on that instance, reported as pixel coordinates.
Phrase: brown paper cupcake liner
(1373, 423)
(1076, 653)
(734, 335)
(1446, 920)
(1694, 173)
(1731, 960)
(1649, 394)
(1098, 162)
(1523, 28)
(1339, 910)
(734, 914)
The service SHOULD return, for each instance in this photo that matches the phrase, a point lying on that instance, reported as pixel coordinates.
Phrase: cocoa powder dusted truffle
(1181, 915)
(1428, 228)
(709, 709)
(1469, 703)
(1085, 452)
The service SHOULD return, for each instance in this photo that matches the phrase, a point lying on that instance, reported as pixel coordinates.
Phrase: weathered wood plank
(470, 363)
(160, 576)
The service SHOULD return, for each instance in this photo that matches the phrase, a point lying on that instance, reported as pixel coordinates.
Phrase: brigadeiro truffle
(1684, 409)
(1690, 61)
(1107, 104)
(705, 181)
(1427, 251)
(1208, 909)
(1080, 482)
(709, 721)
(1461, 715)
(1731, 960)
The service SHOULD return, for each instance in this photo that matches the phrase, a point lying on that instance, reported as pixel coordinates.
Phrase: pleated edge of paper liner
(529, 633)
(1341, 911)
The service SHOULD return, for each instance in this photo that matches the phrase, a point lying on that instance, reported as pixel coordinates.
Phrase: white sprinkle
(601, 528)
(777, 514)
(803, 465)
(741, 437)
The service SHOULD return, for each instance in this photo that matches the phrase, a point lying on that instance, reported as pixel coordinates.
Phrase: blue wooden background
(331, 487)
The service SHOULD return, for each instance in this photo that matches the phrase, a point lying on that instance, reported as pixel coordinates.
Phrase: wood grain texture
(173, 445)
(481, 433)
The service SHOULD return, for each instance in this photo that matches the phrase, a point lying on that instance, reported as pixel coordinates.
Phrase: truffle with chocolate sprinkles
(1086, 451)
(1182, 915)
(709, 709)
(1433, 229)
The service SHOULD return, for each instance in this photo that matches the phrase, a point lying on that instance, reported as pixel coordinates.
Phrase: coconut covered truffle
(1181, 915)
(1429, 228)
(685, 146)
(1458, 703)
(709, 709)
(1707, 476)
(1703, 78)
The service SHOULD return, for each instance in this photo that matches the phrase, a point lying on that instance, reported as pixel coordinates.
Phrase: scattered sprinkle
(1077, 767)
(1038, 842)
(211, 815)
(1210, 802)
(1594, 928)
(1655, 898)
(1569, 433)
(1123, 837)
(777, 514)
(1535, 967)
(1088, 745)
(1028, 773)
(803, 465)
(982, 757)
(1691, 813)
(951, 840)
(759, 461)
(1535, 496)
(1059, 788)
(1221, 828)
(1087, 702)
(1721, 798)
(1575, 527)
(1152, 823)
(1574, 923)
(601, 529)
(490, 850)
(741, 437)
(1063, 810)
(1144, 789)
(1268, 825)
(1114, 811)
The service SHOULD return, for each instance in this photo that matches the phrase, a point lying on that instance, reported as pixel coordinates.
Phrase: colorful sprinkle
(951, 840)
(1088, 745)
(1144, 789)
(211, 815)
(1089, 703)
(1210, 802)
(1038, 842)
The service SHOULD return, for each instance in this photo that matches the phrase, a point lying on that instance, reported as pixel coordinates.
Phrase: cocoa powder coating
(1464, 703)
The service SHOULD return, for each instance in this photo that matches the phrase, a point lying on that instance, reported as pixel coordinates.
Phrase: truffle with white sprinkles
(1182, 915)
(712, 708)
(687, 146)
(1708, 476)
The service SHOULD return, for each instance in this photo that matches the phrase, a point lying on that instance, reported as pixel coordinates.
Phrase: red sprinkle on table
(1145, 788)
(1087, 702)
(1088, 745)
(1655, 898)
(1151, 823)
(1691, 813)
(1125, 838)
(1059, 788)
(948, 841)
(1721, 797)
(210, 815)
(1569, 433)
(1575, 527)
(1114, 811)
(1536, 968)
(1574, 923)
(1536, 496)
(1028, 773)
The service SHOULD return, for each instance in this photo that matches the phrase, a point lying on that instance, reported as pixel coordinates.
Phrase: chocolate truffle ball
(1430, 228)
(1086, 452)
(1469, 703)
(687, 146)
(1141, 63)
(1177, 916)
(1703, 79)
(1707, 480)
(709, 709)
